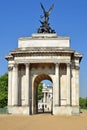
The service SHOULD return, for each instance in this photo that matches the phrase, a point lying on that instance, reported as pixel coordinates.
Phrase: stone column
(56, 87)
(68, 84)
(77, 86)
(27, 86)
(73, 85)
(44, 97)
(10, 68)
(19, 88)
(15, 85)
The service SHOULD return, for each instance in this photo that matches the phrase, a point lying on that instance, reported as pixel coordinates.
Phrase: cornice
(41, 51)
(32, 54)
(24, 49)
(9, 57)
(44, 37)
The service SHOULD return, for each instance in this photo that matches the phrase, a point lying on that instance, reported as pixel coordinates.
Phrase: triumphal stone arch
(43, 56)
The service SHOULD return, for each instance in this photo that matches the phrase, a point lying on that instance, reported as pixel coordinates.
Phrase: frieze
(22, 61)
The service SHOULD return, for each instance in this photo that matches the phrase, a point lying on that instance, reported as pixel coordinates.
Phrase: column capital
(77, 67)
(15, 65)
(68, 64)
(57, 64)
(27, 64)
(10, 68)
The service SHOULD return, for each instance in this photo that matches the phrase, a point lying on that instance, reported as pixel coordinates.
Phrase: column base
(22, 110)
(66, 110)
(75, 110)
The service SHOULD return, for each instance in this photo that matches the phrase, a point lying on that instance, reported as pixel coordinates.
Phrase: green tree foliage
(40, 95)
(86, 102)
(3, 90)
(83, 103)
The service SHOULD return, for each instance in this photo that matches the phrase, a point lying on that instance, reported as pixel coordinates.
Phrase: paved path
(43, 122)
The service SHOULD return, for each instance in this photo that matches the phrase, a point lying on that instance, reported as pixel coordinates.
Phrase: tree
(86, 102)
(83, 103)
(3, 90)
(40, 86)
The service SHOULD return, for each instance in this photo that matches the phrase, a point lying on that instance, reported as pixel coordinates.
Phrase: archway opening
(43, 94)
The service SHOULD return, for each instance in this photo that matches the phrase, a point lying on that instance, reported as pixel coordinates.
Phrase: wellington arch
(43, 55)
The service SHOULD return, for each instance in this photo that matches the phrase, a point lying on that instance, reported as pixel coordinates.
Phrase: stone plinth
(18, 110)
(44, 40)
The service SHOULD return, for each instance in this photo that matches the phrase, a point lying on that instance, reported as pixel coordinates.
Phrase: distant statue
(45, 28)
(46, 13)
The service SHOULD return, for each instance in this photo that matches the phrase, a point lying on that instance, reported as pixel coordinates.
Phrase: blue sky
(21, 18)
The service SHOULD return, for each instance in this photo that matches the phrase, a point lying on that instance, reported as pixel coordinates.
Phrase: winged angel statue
(45, 28)
(46, 13)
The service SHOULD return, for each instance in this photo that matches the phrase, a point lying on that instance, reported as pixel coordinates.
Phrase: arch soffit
(41, 77)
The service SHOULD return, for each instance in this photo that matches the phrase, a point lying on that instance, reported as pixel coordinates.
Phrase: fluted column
(10, 68)
(15, 85)
(44, 97)
(77, 86)
(27, 85)
(56, 87)
(68, 85)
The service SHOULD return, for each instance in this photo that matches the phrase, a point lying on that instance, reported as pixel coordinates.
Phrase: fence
(4, 110)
